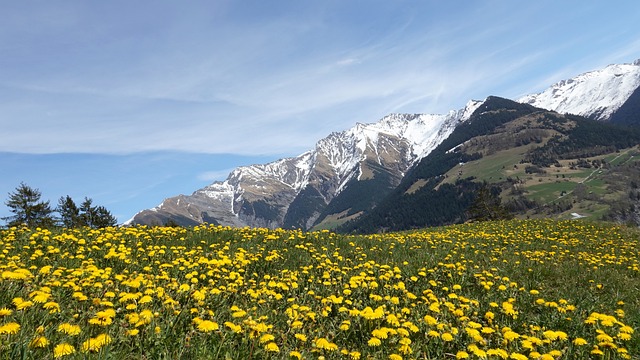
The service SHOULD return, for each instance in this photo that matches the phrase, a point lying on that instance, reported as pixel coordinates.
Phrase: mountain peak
(350, 171)
(595, 94)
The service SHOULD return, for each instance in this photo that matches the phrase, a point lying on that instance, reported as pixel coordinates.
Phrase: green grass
(546, 192)
(420, 294)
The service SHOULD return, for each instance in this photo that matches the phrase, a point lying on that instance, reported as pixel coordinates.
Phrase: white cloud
(216, 81)
(215, 175)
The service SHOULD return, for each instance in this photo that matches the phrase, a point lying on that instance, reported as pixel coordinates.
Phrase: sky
(131, 102)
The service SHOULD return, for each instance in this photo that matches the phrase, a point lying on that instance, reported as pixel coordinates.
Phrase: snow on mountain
(595, 94)
(395, 143)
(262, 194)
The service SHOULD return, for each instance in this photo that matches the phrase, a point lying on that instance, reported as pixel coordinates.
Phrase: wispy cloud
(274, 79)
(216, 175)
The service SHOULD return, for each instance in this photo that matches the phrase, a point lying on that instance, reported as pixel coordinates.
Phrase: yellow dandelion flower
(233, 327)
(325, 344)
(555, 353)
(96, 343)
(433, 333)
(580, 342)
(69, 329)
(266, 338)
(52, 306)
(9, 328)
(5, 312)
(395, 357)
(24, 305)
(626, 329)
(239, 314)
(374, 341)
(272, 347)
(295, 354)
(462, 355)
(430, 320)
(207, 326)
(624, 336)
(39, 342)
(63, 349)
(501, 353)
(301, 337)
(511, 335)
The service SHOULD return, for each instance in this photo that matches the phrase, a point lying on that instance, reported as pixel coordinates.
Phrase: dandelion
(325, 344)
(39, 342)
(272, 347)
(207, 326)
(233, 327)
(374, 341)
(462, 355)
(63, 349)
(580, 342)
(69, 329)
(9, 328)
(96, 343)
(518, 356)
(266, 338)
(5, 312)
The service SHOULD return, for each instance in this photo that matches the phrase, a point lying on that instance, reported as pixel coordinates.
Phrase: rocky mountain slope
(296, 191)
(349, 173)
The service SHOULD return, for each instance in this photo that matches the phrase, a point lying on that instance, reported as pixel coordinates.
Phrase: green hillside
(539, 164)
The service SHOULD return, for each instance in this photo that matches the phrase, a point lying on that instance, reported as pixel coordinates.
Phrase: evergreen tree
(95, 216)
(487, 206)
(69, 213)
(27, 208)
(86, 212)
(102, 217)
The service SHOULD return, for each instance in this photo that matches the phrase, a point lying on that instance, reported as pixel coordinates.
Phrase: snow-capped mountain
(595, 94)
(295, 191)
(351, 171)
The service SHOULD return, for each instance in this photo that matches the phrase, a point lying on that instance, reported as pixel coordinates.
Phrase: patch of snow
(576, 216)
(596, 93)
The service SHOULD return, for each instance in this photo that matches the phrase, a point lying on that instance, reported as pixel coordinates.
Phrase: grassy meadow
(535, 289)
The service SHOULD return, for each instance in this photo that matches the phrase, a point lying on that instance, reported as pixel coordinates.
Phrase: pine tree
(103, 218)
(27, 208)
(69, 213)
(487, 206)
(95, 216)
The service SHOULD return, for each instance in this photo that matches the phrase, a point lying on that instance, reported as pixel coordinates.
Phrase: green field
(536, 289)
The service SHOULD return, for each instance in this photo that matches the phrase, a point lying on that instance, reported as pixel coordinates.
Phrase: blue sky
(130, 102)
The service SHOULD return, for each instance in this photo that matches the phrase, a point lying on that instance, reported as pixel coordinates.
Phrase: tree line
(28, 209)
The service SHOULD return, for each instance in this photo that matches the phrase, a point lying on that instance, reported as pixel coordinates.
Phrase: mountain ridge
(366, 162)
(259, 195)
